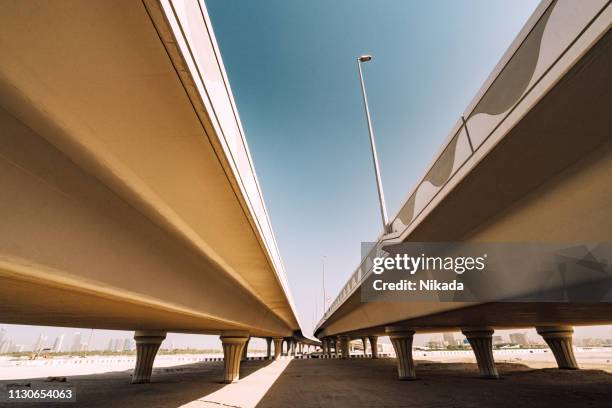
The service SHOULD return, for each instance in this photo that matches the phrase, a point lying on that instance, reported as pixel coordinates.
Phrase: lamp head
(365, 58)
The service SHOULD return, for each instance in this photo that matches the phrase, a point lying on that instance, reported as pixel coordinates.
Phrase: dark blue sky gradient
(291, 65)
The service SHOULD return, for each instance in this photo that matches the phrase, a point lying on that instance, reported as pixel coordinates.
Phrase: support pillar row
(268, 347)
(481, 341)
(374, 345)
(344, 346)
(278, 347)
(245, 351)
(233, 346)
(559, 339)
(147, 345)
(401, 339)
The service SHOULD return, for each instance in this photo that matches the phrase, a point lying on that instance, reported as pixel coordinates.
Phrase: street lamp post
(381, 194)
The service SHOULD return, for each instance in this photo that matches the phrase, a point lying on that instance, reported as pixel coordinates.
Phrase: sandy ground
(345, 383)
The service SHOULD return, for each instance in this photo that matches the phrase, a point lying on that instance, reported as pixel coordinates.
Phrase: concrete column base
(344, 347)
(374, 345)
(401, 339)
(278, 345)
(245, 350)
(291, 348)
(559, 339)
(147, 344)
(481, 340)
(233, 346)
(268, 347)
(364, 342)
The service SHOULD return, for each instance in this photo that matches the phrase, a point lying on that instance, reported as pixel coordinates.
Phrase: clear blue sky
(291, 65)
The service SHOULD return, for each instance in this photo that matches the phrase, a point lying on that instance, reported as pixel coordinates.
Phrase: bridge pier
(147, 345)
(364, 341)
(401, 339)
(374, 345)
(268, 347)
(344, 346)
(337, 347)
(481, 341)
(559, 339)
(278, 347)
(245, 351)
(233, 345)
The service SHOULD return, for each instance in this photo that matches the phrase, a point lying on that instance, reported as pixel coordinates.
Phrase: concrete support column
(401, 339)
(481, 340)
(245, 350)
(344, 346)
(147, 344)
(374, 345)
(268, 347)
(278, 347)
(559, 339)
(364, 341)
(233, 346)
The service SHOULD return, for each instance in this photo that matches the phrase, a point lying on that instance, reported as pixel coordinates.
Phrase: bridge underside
(127, 197)
(548, 180)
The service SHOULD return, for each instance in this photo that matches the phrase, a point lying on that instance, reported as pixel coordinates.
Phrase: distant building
(16, 348)
(2, 334)
(40, 342)
(435, 342)
(5, 346)
(450, 341)
(76, 342)
(519, 338)
(117, 345)
(127, 344)
(57, 344)
(497, 340)
(590, 342)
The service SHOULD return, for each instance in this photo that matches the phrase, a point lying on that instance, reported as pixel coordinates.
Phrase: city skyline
(102, 339)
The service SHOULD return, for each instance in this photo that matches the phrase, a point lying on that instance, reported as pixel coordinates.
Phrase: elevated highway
(530, 160)
(128, 198)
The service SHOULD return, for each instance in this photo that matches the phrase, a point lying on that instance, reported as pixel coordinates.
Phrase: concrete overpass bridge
(530, 160)
(128, 197)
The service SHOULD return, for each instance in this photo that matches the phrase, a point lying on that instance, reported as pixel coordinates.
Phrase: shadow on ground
(170, 386)
(373, 383)
(353, 383)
